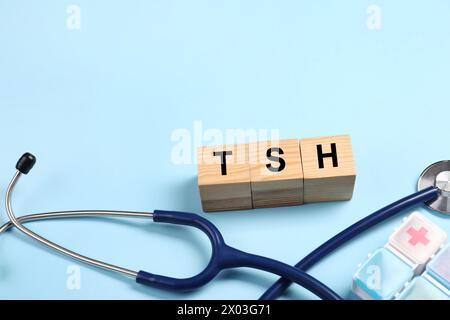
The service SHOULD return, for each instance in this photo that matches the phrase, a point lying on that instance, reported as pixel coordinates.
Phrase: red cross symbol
(418, 236)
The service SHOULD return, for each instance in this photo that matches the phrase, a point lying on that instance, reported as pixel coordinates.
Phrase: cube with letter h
(275, 173)
(328, 167)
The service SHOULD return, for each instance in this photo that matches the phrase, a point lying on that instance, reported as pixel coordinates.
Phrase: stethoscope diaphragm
(437, 175)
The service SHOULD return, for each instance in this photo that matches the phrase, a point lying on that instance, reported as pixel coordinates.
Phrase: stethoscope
(434, 191)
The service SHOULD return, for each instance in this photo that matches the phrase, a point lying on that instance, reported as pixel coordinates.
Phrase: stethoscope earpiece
(26, 163)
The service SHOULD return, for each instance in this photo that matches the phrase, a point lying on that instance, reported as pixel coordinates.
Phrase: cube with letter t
(224, 177)
(328, 168)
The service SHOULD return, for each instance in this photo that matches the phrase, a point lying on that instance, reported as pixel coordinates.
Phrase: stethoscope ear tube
(223, 256)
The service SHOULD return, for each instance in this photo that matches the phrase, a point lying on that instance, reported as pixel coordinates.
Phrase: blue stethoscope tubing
(223, 256)
(420, 197)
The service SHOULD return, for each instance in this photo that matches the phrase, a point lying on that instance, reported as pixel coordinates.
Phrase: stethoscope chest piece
(437, 175)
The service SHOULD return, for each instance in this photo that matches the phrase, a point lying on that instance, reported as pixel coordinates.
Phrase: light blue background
(98, 107)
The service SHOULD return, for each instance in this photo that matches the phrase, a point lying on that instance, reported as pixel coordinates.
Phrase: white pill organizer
(413, 265)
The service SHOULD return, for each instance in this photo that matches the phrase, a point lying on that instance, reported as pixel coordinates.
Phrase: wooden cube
(276, 173)
(224, 177)
(328, 168)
